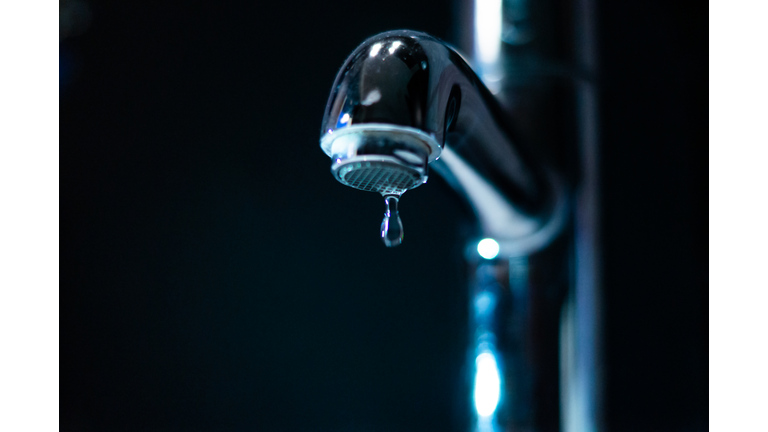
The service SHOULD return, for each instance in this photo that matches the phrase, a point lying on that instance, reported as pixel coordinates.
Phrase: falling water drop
(391, 226)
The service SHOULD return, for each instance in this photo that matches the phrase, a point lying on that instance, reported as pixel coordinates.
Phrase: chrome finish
(404, 101)
(380, 158)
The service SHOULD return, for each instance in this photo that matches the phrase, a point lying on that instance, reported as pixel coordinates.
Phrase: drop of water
(391, 226)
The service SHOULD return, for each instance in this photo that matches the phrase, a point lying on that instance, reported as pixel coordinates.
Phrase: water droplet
(391, 226)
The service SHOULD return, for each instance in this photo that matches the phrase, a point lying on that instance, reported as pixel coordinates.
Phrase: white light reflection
(488, 248)
(375, 49)
(487, 384)
(373, 97)
(344, 118)
(487, 30)
(497, 217)
(395, 45)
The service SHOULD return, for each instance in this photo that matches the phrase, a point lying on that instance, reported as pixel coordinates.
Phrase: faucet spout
(404, 101)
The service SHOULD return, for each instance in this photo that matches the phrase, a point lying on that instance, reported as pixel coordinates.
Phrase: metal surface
(438, 113)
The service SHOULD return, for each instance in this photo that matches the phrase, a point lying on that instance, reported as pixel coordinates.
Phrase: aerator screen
(384, 177)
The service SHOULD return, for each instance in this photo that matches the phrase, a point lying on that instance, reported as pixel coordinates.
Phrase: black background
(214, 276)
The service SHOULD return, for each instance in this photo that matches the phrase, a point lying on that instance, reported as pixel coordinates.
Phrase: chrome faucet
(405, 101)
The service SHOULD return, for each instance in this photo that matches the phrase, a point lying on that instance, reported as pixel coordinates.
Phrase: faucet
(405, 101)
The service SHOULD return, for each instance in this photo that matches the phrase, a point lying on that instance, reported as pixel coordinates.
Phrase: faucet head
(376, 127)
(382, 158)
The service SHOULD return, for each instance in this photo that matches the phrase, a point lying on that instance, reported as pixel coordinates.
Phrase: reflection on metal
(516, 233)
(488, 37)
(487, 384)
(487, 31)
(502, 349)
(394, 46)
(375, 49)
(489, 296)
(488, 248)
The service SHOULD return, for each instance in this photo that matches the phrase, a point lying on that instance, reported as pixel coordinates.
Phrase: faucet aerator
(387, 159)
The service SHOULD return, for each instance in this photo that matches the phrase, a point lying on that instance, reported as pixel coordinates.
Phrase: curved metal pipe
(404, 101)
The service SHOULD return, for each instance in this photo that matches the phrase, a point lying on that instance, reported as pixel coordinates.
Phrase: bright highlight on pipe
(488, 248)
(375, 49)
(487, 30)
(487, 384)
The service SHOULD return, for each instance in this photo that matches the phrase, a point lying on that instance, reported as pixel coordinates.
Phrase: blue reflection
(487, 384)
(485, 302)
(343, 120)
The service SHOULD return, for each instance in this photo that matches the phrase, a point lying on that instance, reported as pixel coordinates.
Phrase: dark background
(214, 276)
